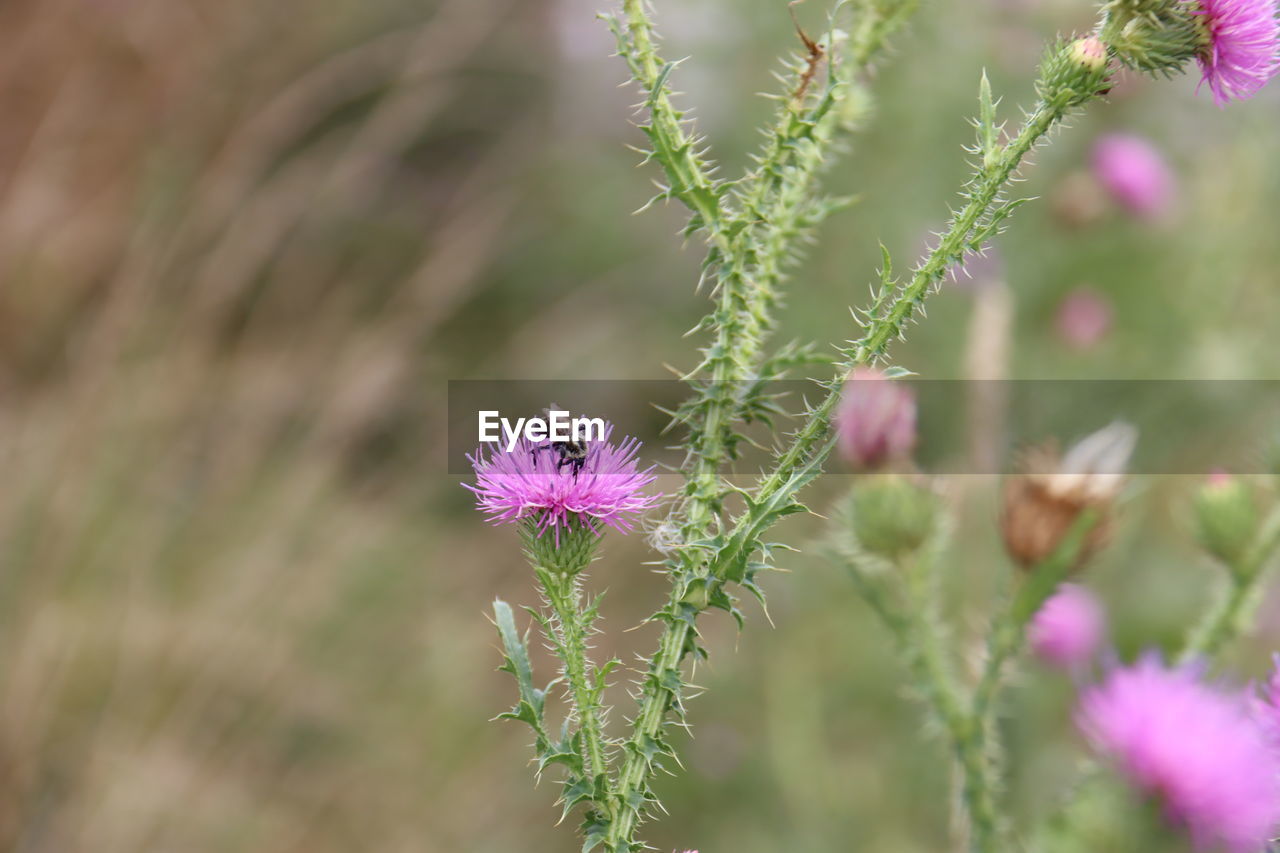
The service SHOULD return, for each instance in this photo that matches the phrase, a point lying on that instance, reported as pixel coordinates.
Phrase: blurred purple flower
(876, 419)
(1265, 705)
(1083, 318)
(1134, 173)
(1244, 47)
(1068, 629)
(1194, 746)
(530, 482)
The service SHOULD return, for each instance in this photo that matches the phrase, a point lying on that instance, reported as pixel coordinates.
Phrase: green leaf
(531, 706)
(988, 132)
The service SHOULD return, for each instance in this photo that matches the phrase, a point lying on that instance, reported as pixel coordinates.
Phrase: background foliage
(243, 245)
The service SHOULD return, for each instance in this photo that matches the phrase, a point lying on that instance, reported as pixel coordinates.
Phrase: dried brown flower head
(1043, 501)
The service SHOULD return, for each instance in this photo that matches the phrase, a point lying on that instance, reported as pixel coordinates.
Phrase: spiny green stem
(775, 206)
(749, 266)
(996, 170)
(958, 240)
(772, 207)
(656, 698)
(776, 202)
(688, 175)
(565, 596)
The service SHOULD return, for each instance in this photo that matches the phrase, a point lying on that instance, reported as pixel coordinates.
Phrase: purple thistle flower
(1068, 628)
(1244, 47)
(876, 419)
(1194, 746)
(530, 482)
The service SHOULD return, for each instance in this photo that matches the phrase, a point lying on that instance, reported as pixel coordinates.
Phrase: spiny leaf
(988, 132)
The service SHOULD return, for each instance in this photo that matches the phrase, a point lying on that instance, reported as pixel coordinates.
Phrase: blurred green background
(244, 245)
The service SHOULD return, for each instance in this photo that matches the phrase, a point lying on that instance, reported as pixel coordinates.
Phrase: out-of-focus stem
(1229, 617)
(977, 784)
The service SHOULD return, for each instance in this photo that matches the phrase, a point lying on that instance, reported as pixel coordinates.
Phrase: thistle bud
(1089, 53)
(1226, 517)
(1072, 73)
(1044, 501)
(890, 515)
(876, 419)
(566, 550)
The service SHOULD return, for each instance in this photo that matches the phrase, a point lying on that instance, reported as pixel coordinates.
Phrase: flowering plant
(891, 530)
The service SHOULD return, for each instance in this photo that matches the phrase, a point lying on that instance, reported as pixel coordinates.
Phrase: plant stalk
(1229, 617)
(565, 596)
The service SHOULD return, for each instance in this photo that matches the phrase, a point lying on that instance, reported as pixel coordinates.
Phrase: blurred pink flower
(876, 419)
(1194, 746)
(1244, 47)
(1219, 477)
(1266, 705)
(1134, 173)
(1083, 318)
(1068, 629)
(532, 482)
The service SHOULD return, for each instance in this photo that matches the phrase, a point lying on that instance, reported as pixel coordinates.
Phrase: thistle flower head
(531, 482)
(1193, 746)
(1134, 174)
(1068, 629)
(1243, 50)
(876, 419)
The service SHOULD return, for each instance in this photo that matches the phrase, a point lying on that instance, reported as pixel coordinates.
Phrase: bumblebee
(571, 453)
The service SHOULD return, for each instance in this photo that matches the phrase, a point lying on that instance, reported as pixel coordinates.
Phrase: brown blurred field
(242, 247)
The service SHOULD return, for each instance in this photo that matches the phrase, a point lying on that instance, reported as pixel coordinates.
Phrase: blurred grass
(242, 246)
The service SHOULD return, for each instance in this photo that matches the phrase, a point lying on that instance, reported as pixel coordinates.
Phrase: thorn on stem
(814, 54)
